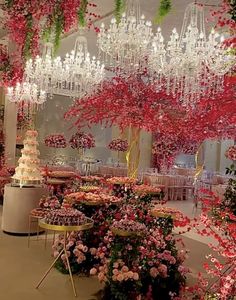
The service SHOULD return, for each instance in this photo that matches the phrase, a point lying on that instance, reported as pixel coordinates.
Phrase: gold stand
(65, 230)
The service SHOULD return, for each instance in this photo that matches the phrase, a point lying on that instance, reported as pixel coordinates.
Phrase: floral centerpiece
(231, 153)
(118, 145)
(125, 227)
(146, 189)
(81, 140)
(121, 180)
(55, 141)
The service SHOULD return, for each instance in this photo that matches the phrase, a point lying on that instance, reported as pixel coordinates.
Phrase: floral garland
(55, 141)
(81, 140)
(226, 14)
(118, 145)
(28, 20)
(11, 72)
(163, 10)
(231, 153)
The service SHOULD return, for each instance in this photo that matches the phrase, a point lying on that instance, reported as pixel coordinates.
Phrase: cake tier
(30, 152)
(30, 143)
(31, 133)
(66, 217)
(34, 162)
(27, 173)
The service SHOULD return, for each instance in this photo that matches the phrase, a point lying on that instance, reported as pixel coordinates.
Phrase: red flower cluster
(81, 140)
(11, 72)
(231, 152)
(133, 102)
(55, 141)
(27, 20)
(118, 145)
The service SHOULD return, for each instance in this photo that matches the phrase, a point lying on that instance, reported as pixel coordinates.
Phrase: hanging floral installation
(225, 14)
(163, 10)
(81, 140)
(11, 71)
(118, 145)
(133, 102)
(27, 21)
(55, 141)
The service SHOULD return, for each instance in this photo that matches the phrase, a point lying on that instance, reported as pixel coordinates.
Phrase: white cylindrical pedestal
(17, 205)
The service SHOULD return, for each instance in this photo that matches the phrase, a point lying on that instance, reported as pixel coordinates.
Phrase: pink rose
(101, 276)
(163, 270)
(116, 265)
(93, 251)
(93, 271)
(120, 277)
(154, 272)
(124, 269)
(136, 276)
(130, 274)
(85, 249)
(115, 272)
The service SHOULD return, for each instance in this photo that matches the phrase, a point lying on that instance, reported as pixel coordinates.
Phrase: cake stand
(66, 230)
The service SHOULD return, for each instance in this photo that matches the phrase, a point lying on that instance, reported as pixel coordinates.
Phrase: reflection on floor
(22, 267)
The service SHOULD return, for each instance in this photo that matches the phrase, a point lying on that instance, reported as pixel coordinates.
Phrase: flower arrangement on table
(49, 202)
(55, 141)
(231, 153)
(126, 227)
(81, 140)
(132, 268)
(146, 189)
(118, 145)
(89, 188)
(121, 180)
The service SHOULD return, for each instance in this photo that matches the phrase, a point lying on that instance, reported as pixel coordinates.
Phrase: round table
(17, 205)
(66, 230)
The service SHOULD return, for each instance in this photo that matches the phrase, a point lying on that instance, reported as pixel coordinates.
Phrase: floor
(22, 267)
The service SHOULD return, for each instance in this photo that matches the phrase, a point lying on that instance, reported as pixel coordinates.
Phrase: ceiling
(148, 8)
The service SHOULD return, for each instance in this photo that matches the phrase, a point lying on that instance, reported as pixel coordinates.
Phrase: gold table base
(66, 230)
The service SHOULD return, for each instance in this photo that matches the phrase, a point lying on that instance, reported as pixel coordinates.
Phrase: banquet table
(112, 171)
(176, 186)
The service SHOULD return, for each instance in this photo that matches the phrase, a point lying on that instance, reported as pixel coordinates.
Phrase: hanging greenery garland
(163, 10)
(119, 9)
(82, 13)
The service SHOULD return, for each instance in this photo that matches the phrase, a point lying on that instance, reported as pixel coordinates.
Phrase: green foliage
(119, 9)
(82, 13)
(29, 36)
(163, 10)
(232, 10)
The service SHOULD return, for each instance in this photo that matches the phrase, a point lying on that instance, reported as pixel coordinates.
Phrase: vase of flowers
(82, 141)
(118, 145)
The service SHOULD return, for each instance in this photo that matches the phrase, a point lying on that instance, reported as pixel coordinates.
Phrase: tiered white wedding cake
(28, 171)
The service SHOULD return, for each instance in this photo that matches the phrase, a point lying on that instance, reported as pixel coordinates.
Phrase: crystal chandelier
(124, 45)
(27, 93)
(74, 76)
(78, 73)
(41, 72)
(190, 65)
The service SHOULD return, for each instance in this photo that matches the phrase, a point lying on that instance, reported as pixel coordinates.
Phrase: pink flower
(93, 271)
(163, 270)
(116, 265)
(136, 276)
(101, 276)
(93, 251)
(124, 269)
(115, 272)
(120, 277)
(154, 272)
(130, 274)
